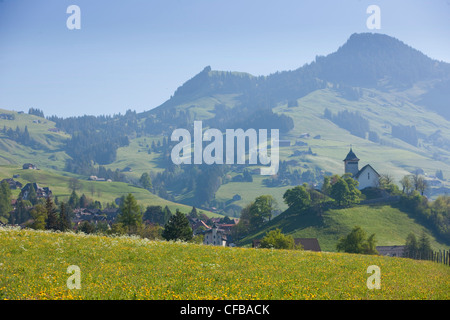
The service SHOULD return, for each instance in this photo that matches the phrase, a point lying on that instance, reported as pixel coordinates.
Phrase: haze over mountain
(366, 60)
(376, 93)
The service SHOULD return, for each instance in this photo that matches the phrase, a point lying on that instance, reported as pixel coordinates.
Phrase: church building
(367, 176)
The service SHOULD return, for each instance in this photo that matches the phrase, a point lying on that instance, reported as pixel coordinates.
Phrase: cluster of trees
(246, 176)
(146, 181)
(412, 183)
(208, 81)
(433, 214)
(23, 137)
(157, 215)
(417, 248)
(202, 181)
(347, 92)
(255, 214)
(274, 239)
(351, 121)
(5, 202)
(88, 148)
(36, 112)
(405, 133)
(164, 121)
(343, 189)
(439, 174)
(262, 119)
(50, 217)
(95, 139)
(32, 208)
(76, 202)
(357, 242)
(249, 117)
(153, 223)
(336, 191)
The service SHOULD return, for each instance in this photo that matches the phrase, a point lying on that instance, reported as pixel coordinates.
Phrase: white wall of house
(214, 237)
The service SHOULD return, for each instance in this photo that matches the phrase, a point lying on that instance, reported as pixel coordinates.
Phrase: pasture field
(105, 192)
(34, 264)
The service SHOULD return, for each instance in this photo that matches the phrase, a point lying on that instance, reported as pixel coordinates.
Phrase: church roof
(363, 169)
(351, 156)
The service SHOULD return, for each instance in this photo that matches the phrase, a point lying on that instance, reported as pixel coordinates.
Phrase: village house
(391, 251)
(215, 236)
(94, 216)
(198, 226)
(27, 166)
(13, 184)
(7, 116)
(41, 192)
(219, 234)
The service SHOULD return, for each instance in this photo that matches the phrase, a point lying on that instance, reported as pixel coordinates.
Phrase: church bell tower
(351, 163)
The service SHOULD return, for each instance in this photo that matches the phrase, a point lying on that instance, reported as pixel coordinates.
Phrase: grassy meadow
(390, 225)
(33, 265)
(105, 192)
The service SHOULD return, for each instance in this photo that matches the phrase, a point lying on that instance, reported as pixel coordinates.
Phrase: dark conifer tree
(178, 228)
(52, 222)
(64, 220)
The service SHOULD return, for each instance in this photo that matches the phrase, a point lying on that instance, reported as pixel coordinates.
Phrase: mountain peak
(367, 59)
(206, 69)
(375, 43)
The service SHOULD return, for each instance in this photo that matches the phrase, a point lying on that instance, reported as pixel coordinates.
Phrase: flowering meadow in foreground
(34, 264)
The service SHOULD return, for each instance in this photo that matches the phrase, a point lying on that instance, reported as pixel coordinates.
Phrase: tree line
(152, 222)
(351, 121)
(341, 191)
(22, 137)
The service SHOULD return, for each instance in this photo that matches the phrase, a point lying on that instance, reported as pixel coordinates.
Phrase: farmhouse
(6, 116)
(391, 251)
(215, 237)
(367, 176)
(27, 166)
(41, 192)
(12, 183)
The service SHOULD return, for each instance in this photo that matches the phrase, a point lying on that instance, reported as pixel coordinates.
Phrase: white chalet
(215, 237)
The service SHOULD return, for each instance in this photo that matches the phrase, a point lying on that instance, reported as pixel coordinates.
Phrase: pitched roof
(199, 224)
(364, 168)
(351, 156)
(311, 244)
(391, 250)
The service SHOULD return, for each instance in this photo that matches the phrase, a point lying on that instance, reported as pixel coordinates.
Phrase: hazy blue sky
(134, 54)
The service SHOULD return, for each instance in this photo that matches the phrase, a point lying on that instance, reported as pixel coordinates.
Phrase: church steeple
(351, 163)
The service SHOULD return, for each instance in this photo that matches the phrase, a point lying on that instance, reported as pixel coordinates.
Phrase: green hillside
(384, 99)
(390, 225)
(105, 192)
(47, 151)
(34, 265)
(394, 157)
